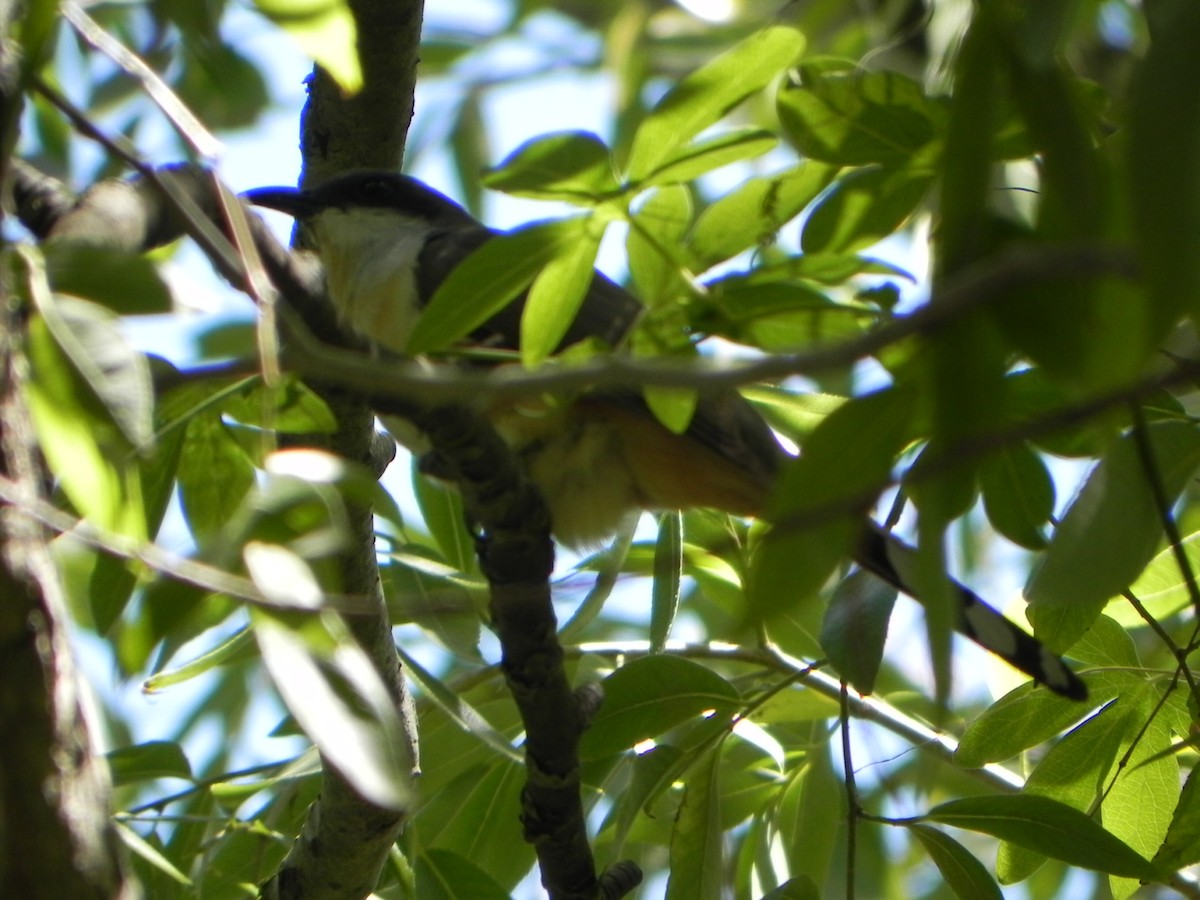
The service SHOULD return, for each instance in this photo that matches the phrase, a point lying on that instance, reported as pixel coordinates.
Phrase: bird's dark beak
(294, 202)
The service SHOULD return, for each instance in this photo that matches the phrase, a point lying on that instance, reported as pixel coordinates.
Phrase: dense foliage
(950, 250)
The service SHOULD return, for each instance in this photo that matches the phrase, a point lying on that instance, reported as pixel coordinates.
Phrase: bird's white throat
(370, 258)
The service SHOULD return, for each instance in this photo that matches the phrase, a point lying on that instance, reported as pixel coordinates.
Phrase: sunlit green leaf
(557, 292)
(704, 156)
(334, 691)
(325, 30)
(575, 166)
(487, 281)
(703, 97)
(754, 213)
(1047, 826)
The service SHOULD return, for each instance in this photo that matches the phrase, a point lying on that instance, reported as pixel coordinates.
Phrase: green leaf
(817, 507)
(1182, 845)
(962, 872)
(214, 476)
(82, 445)
(1139, 807)
(220, 86)
(855, 628)
(1107, 644)
(657, 261)
(862, 208)
(120, 376)
(1019, 720)
(474, 816)
(802, 888)
(122, 282)
(145, 762)
(557, 292)
(231, 649)
(443, 513)
(325, 30)
(811, 793)
(142, 848)
(837, 113)
(697, 863)
(459, 710)
(424, 590)
(487, 281)
(651, 772)
(704, 96)
(1164, 159)
(650, 696)
(445, 875)
(1018, 494)
(290, 406)
(1111, 531)
(1162, 587)
(752, 214)
(331, 687)
(575, 166)
(704, 156)
(1047, 826)
(1073, 772)
(668, 572)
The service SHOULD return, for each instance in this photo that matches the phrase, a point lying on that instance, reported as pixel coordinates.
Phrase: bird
(387, 241)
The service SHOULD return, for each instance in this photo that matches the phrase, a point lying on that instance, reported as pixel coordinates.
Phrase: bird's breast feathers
(370, 259)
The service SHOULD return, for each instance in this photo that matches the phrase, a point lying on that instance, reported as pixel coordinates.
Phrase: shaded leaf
(855, 628)
(862, 208)
(1018, 494)
(445, 875)
(838, 113)
(147, 761)
(818, 503)
(650, 696)
(668, 572)
(1111, 531)
(122, 282)
(697, 863)
(962, 872)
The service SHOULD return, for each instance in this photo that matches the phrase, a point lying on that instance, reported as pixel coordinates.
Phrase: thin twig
(189, 127)
(853, 806)
(158, 559)
(1162, 502)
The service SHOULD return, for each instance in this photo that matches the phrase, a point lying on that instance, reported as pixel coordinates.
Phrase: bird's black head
(367, 189)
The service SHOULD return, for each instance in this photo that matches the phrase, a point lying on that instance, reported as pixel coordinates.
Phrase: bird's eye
(374, 189)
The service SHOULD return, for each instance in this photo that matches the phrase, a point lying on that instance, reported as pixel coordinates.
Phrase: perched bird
(388, 241)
